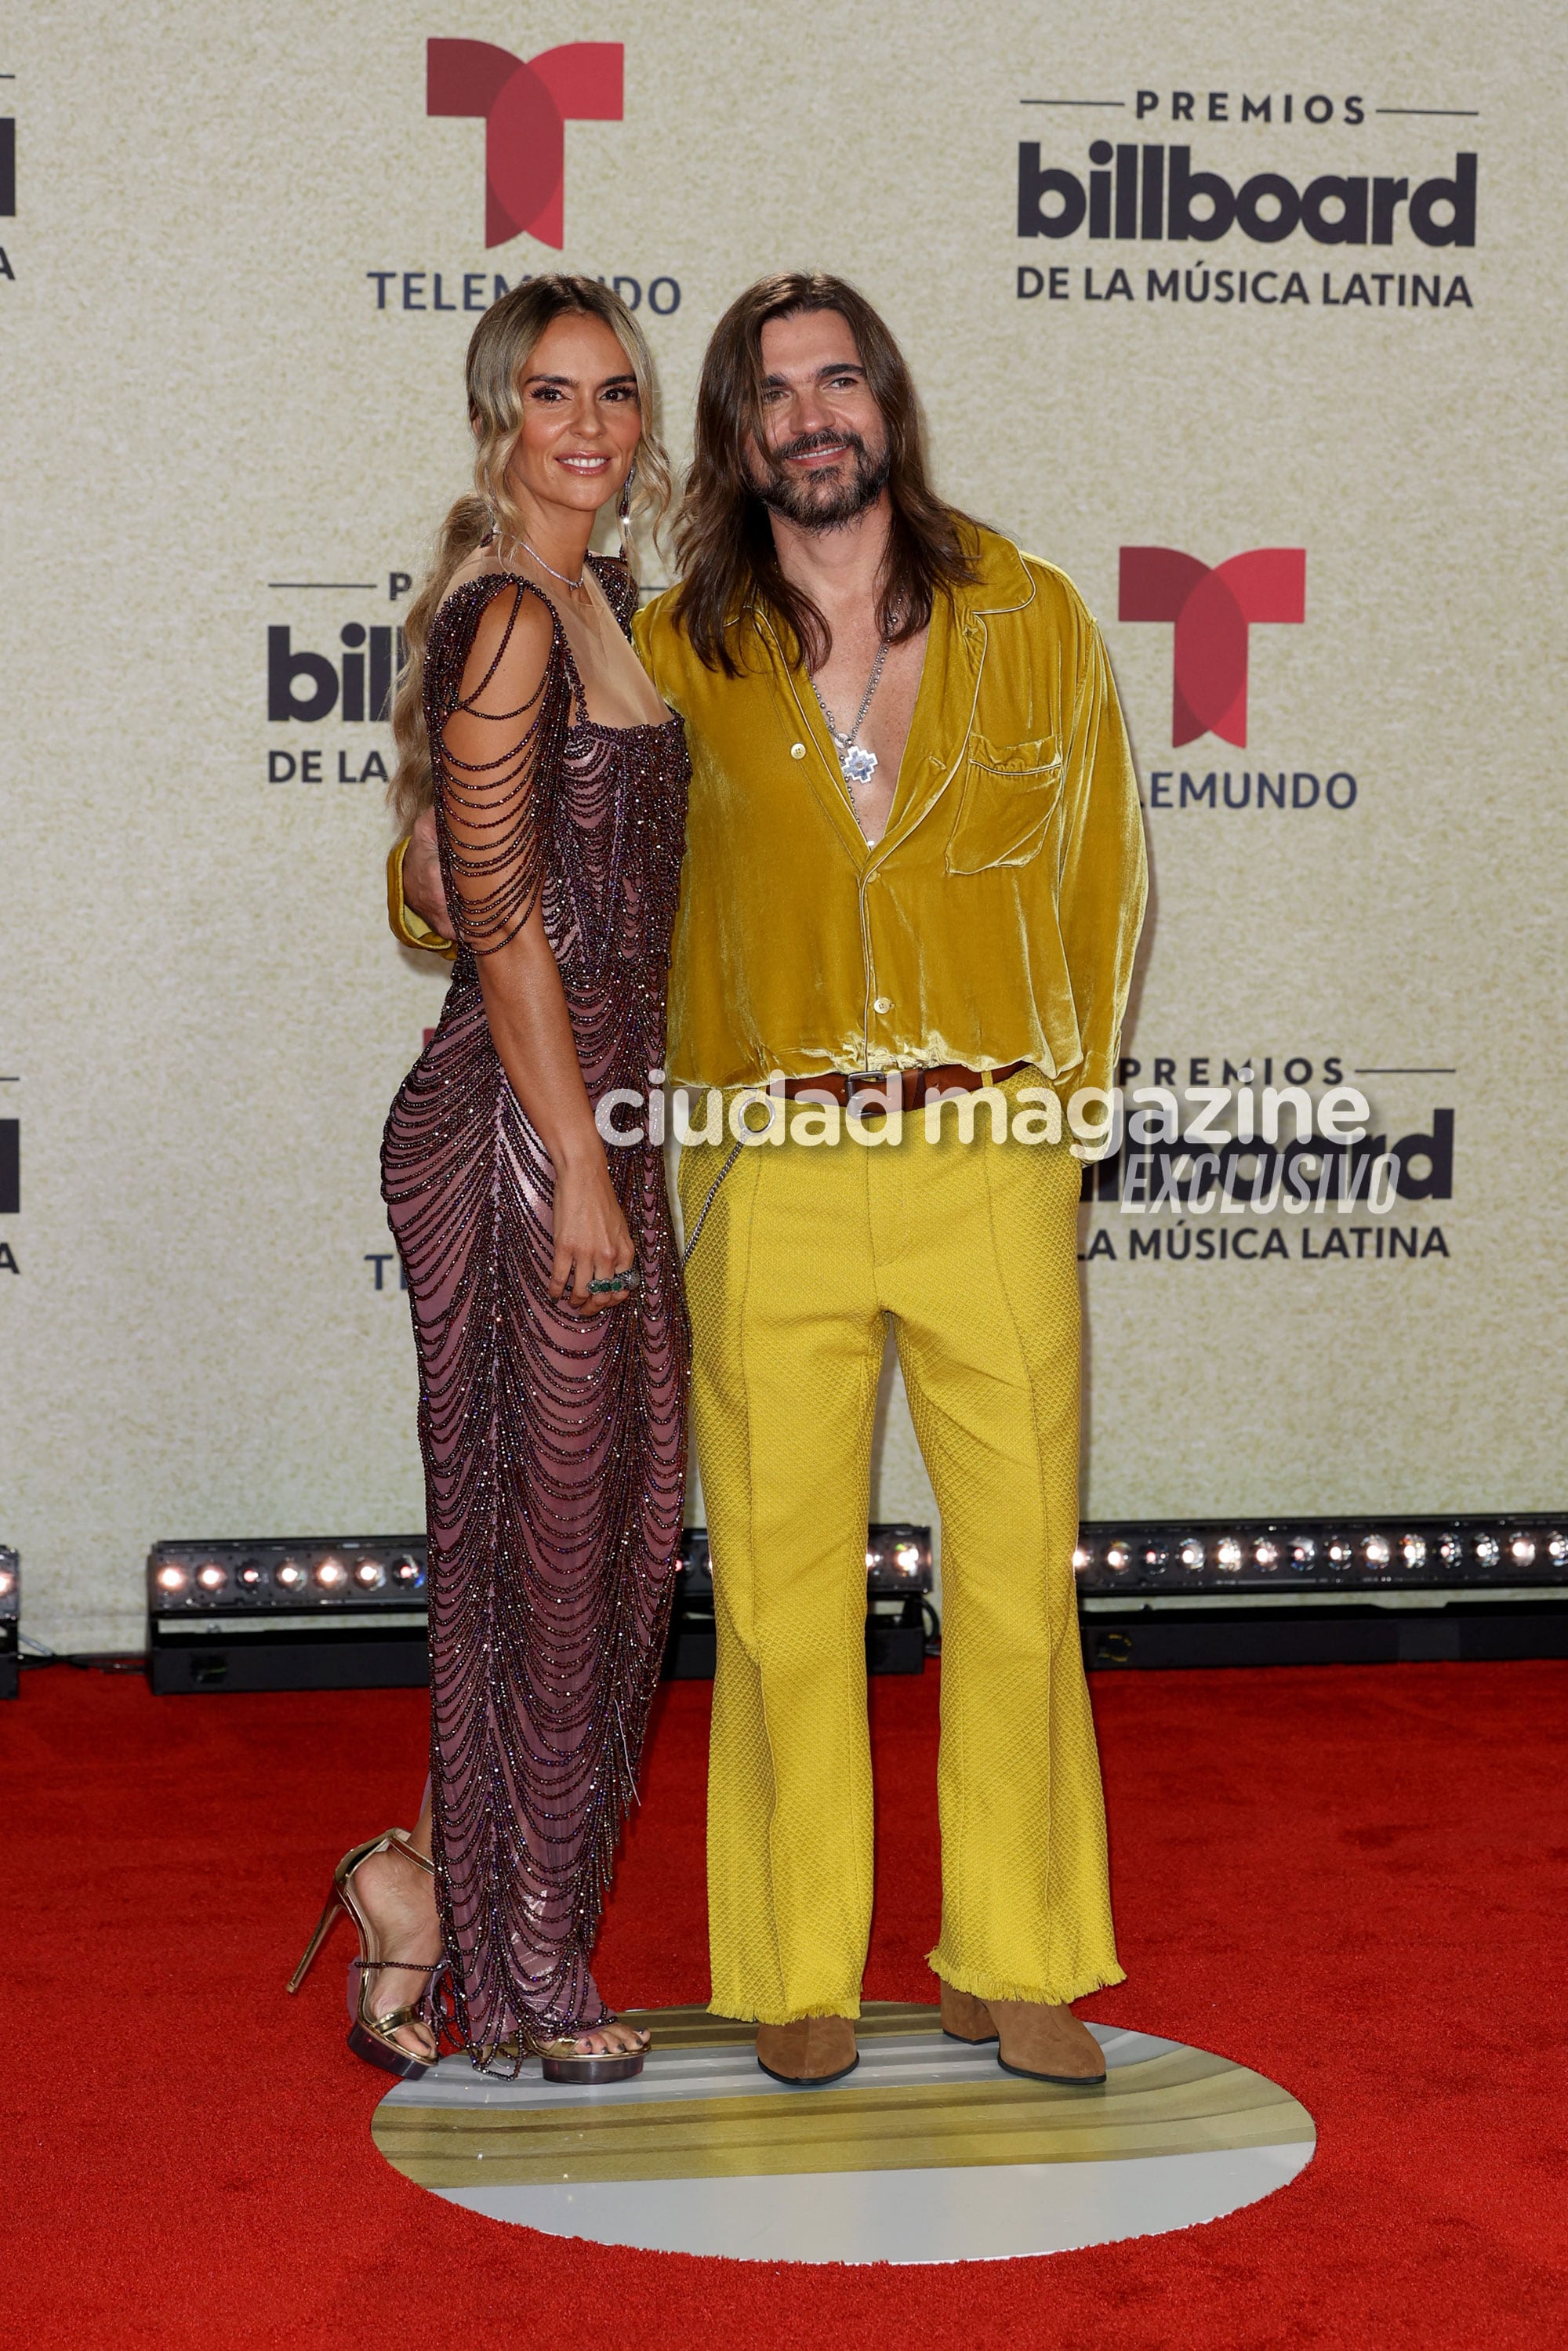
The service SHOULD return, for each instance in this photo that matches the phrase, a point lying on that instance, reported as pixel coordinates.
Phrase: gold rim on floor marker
(927, 2152)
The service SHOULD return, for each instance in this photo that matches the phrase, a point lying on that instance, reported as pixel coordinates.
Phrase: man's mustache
(806, 443)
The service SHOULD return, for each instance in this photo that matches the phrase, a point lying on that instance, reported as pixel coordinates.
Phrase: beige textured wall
(200, 1003)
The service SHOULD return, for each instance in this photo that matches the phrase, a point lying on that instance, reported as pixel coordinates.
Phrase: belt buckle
(871, 1082)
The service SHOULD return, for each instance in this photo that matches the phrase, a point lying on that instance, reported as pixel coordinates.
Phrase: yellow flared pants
(805, 1253)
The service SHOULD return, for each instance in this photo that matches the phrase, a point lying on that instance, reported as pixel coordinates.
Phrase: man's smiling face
(825, 458)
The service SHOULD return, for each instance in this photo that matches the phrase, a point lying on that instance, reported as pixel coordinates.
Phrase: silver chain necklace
(858, 764)
(539, 559)
(554, 574)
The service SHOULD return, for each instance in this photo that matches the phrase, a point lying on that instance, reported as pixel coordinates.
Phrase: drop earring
(626, 518)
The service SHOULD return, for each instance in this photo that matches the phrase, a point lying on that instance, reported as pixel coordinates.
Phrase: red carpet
(1350, 1880)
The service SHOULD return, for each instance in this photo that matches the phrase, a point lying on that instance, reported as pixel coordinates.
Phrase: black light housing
(348, 1611)
(1335, 1554)
(312, 1612)
(10, 1621)
(1307, 1591)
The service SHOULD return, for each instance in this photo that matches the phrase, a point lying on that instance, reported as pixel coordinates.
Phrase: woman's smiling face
(582, 418)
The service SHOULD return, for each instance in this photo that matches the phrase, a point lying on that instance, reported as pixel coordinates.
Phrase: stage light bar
(1331, 1554)
(322, 1612)
(349, 1611)
(190, 1579)
(10, 1621)
(1371, 1590)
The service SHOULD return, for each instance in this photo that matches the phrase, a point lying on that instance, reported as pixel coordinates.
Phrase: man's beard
(822, 501)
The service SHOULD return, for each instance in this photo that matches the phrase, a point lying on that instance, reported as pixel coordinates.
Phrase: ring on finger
(617, 1284)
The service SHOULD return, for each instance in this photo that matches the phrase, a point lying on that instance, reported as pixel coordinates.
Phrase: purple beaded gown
(553, 1441)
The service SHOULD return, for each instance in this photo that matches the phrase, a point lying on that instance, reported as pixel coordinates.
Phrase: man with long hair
(913, 889)
(914, 865)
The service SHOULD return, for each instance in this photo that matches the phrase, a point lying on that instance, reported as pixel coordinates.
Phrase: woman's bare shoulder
(505, 638)
(473, 591)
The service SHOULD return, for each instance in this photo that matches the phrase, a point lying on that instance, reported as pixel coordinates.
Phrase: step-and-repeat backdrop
(1246, 321)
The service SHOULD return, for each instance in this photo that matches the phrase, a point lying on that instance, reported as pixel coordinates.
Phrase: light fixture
(898, 1561)
(10, 1626)
(1322, 1591)
(1337, 1554)
(327, 1612)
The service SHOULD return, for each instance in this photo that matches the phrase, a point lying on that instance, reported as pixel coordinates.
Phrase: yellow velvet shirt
(996, 920)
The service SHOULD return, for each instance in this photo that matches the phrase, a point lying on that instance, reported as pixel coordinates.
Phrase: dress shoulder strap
(496, 744)
(619, 589)
(456, 624)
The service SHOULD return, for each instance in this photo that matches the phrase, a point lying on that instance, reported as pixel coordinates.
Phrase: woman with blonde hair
(540, 1266)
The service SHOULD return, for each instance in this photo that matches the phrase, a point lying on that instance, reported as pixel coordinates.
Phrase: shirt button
(796, 750)
(883, 1004)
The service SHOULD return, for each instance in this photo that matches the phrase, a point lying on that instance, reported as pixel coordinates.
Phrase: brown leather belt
(845, 1086)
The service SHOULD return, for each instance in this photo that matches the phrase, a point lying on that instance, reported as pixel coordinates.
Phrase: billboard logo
(1213, 611)
(524, 105)
(306, 686)
(1143, 199)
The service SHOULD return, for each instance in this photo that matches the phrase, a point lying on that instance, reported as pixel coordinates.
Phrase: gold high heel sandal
(372, 2036)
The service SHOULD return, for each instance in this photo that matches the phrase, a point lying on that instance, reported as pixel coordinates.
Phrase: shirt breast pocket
(1010, 791)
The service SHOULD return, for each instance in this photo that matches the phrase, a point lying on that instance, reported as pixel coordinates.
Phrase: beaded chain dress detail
(553, 1441)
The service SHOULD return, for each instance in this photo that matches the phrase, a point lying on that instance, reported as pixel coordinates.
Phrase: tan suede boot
(965, 2018)
(808, 2053)
(1046, 2044)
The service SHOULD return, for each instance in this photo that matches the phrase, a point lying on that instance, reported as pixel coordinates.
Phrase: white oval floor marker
(927, 2152)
